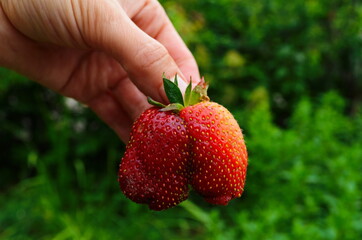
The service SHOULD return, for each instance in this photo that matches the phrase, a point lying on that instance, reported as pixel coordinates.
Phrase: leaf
(188, 94)
(200, 92)
(194, 97)
(197, 94)
(173, 92)
(173, 107)
(155, 103)
(176, 82)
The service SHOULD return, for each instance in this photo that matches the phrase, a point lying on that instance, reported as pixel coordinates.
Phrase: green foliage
(289, 72)
(293, 48)
(303, 182)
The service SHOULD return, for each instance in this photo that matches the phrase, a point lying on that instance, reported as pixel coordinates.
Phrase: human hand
(107, 54)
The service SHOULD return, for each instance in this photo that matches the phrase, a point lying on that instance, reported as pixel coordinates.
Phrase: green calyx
(177, 101)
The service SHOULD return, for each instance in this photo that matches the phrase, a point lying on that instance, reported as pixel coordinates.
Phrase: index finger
(153, 20)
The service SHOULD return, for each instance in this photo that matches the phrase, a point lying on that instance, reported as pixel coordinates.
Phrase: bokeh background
(289, 71)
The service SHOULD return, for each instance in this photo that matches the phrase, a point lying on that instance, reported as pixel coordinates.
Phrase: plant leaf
(195, 97)
(188, 94)
(176, 82)
(155, 103)
(199, 93)
(176, 107)
(173, 92)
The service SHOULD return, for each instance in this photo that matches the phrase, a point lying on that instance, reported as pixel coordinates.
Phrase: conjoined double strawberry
(191, 141)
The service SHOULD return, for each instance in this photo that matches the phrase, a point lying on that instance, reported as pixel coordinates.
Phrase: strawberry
(153, 169)
(218, 155)
(191, 141)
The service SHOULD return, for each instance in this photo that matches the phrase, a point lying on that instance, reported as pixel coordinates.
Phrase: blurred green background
(290, 72)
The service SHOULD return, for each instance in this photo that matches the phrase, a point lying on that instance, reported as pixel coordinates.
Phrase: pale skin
(106, 54)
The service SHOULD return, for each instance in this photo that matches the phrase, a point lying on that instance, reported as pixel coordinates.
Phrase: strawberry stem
(174, 95)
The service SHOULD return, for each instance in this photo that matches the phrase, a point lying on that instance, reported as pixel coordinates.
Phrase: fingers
(132, 100)
(143, 58)
(108, 109)
(120, 107)
(152, 19)
(145, 54)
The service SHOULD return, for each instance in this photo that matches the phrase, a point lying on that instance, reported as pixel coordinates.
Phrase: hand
(107, 54)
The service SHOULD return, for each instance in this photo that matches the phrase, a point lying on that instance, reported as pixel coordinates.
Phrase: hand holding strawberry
(190, 141)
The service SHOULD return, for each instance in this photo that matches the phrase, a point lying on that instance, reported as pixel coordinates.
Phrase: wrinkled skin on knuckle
(41, 20)
(18, 13)
(151, 18)
(151, 55)
(98, 19)
(67, 23)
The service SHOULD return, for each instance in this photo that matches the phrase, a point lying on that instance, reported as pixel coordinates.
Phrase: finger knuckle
(151, 55)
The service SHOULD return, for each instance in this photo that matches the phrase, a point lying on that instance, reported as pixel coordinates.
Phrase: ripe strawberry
(218, 155)
(153, 169)
(190, 141)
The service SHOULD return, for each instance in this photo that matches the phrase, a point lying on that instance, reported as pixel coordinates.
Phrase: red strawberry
(153, 169)
(191, 141)
(219, 156)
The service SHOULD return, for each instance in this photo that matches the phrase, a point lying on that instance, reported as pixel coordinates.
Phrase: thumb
(143, 58)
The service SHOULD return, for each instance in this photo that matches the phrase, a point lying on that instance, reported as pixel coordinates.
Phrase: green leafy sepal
(177, 101)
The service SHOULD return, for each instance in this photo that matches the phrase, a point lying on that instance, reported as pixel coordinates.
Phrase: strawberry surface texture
(190, 142)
